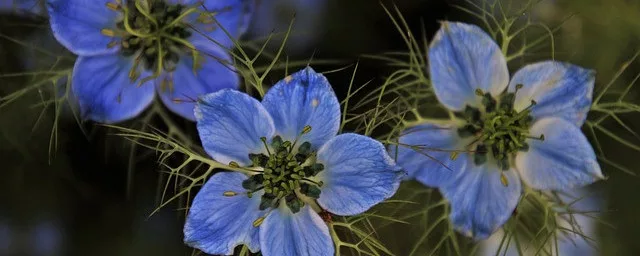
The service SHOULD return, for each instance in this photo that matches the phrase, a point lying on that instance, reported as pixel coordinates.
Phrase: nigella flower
(129, 49)
(504, 131)
(295, 168)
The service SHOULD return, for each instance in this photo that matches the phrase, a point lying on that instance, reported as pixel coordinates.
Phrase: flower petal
(358, 174)
(560, 90)
(233, 15)
(586, 207)
(230, 124)
(425, 153)
(110, 96)
(480, 202)
(304, 98)
(77, 24)
(213, 75)
(286, 234)
(563, 160)
(216, 224)
(463, 58)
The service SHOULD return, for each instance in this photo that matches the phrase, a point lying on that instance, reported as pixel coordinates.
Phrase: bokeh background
(82, 201)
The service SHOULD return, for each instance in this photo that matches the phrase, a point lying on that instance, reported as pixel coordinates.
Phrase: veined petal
(481, 200)
(425, 153)
(77, 24)
(230, 124)
(233, 15)
(179, 89)
(463, 58)
(564, 160)
(286, 234)
(104, 90)
(304, 98)
(216, 224)
(358, 174)
(560, 90)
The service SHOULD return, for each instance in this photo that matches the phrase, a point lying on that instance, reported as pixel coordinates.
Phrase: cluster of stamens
(155, 33)
(499, 131)
(284, 172)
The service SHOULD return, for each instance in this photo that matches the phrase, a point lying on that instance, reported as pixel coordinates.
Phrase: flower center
(499, 131)
(156, 33)
(155, 30)
(284, 172)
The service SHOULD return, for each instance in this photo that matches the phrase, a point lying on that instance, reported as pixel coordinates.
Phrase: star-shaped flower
(296, 167)
(130, 49)
(527, 128)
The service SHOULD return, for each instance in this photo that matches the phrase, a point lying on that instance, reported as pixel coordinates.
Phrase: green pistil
(498, 129)
(285, 172)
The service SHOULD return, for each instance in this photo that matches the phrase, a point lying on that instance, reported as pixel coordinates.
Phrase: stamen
(306, 129)
(258, 222)
(108, 32)
(114, 6)
(454, 155)
(504, 180)
(229, 193)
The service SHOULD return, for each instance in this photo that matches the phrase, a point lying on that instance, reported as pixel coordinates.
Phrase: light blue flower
(505, 131)
(129, 50)
(298, 167)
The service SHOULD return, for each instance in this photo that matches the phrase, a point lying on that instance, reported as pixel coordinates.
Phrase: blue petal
(563, 160)
(463, 58)
(560, 90)
(304, 98)
(77, 25)
(584, 223)
(215, 74)
(358, 174)
(495, 242)
(104, 91)
(480, 202)
(233, 15)
(429, 161)
(216, 224)
(230, 124)
(286, 234)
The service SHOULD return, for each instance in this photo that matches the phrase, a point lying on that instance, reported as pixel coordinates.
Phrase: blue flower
(128, 50)
(505, 131)
(297, 167)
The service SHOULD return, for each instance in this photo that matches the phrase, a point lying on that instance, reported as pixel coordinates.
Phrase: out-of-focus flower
(129, 50)
(275, 16)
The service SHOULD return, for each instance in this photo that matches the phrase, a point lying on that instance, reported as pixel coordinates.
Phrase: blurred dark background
(79, 202)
